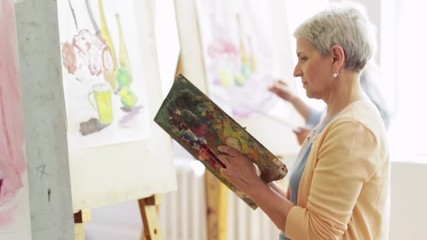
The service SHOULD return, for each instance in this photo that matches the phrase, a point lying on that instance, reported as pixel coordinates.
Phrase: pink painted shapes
(222, 49)
(12, 158)
(82, 57)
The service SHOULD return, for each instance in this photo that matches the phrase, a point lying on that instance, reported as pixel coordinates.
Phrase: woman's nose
(297, 72)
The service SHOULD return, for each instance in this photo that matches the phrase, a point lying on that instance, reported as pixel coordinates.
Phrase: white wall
(408, 201)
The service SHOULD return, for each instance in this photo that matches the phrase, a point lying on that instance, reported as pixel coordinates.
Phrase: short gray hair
(344, 24)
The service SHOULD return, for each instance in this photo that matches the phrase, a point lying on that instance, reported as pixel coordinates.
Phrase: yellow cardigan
(344, 189)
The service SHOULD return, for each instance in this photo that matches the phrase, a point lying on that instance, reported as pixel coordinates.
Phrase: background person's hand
(302, 133)
(282, 89)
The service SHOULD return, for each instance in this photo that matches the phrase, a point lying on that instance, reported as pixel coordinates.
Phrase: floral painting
(104, 85)
(239, 54)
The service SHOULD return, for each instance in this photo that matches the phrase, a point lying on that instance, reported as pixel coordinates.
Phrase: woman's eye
(303, 59)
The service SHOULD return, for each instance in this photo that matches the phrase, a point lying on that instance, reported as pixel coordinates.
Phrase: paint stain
(48, 195)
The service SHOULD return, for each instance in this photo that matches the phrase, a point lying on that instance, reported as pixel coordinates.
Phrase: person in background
(313, 116)
(339, 185)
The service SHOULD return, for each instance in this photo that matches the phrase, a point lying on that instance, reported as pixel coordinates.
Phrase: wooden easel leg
(80, 218)
(217, 208)
(149, 213)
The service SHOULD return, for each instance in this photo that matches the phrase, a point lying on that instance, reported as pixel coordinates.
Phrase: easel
(148, 206)
(80, 218)
(217, 208)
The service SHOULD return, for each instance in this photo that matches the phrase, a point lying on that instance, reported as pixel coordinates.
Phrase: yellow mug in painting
(103, 104)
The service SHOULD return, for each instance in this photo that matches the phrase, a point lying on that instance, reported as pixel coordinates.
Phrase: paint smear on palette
(12, 158)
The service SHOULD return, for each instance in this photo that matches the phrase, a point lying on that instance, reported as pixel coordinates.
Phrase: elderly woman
(339, 185)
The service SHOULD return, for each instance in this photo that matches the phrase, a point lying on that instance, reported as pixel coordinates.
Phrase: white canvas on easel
(100, 49)
(128, 157)
(196, 30)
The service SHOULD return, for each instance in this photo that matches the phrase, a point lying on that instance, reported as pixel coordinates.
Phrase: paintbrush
(201, 144)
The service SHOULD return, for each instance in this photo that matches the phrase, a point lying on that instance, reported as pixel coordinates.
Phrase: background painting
(126, 156)
(239, 54)
(14, 204)
(105, 90)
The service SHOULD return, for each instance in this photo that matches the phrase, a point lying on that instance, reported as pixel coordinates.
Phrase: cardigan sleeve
(345, 155)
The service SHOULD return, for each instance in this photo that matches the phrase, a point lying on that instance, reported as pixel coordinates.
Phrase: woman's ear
(338, 57)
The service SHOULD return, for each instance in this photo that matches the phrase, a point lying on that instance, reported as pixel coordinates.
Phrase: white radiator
(183, 213)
